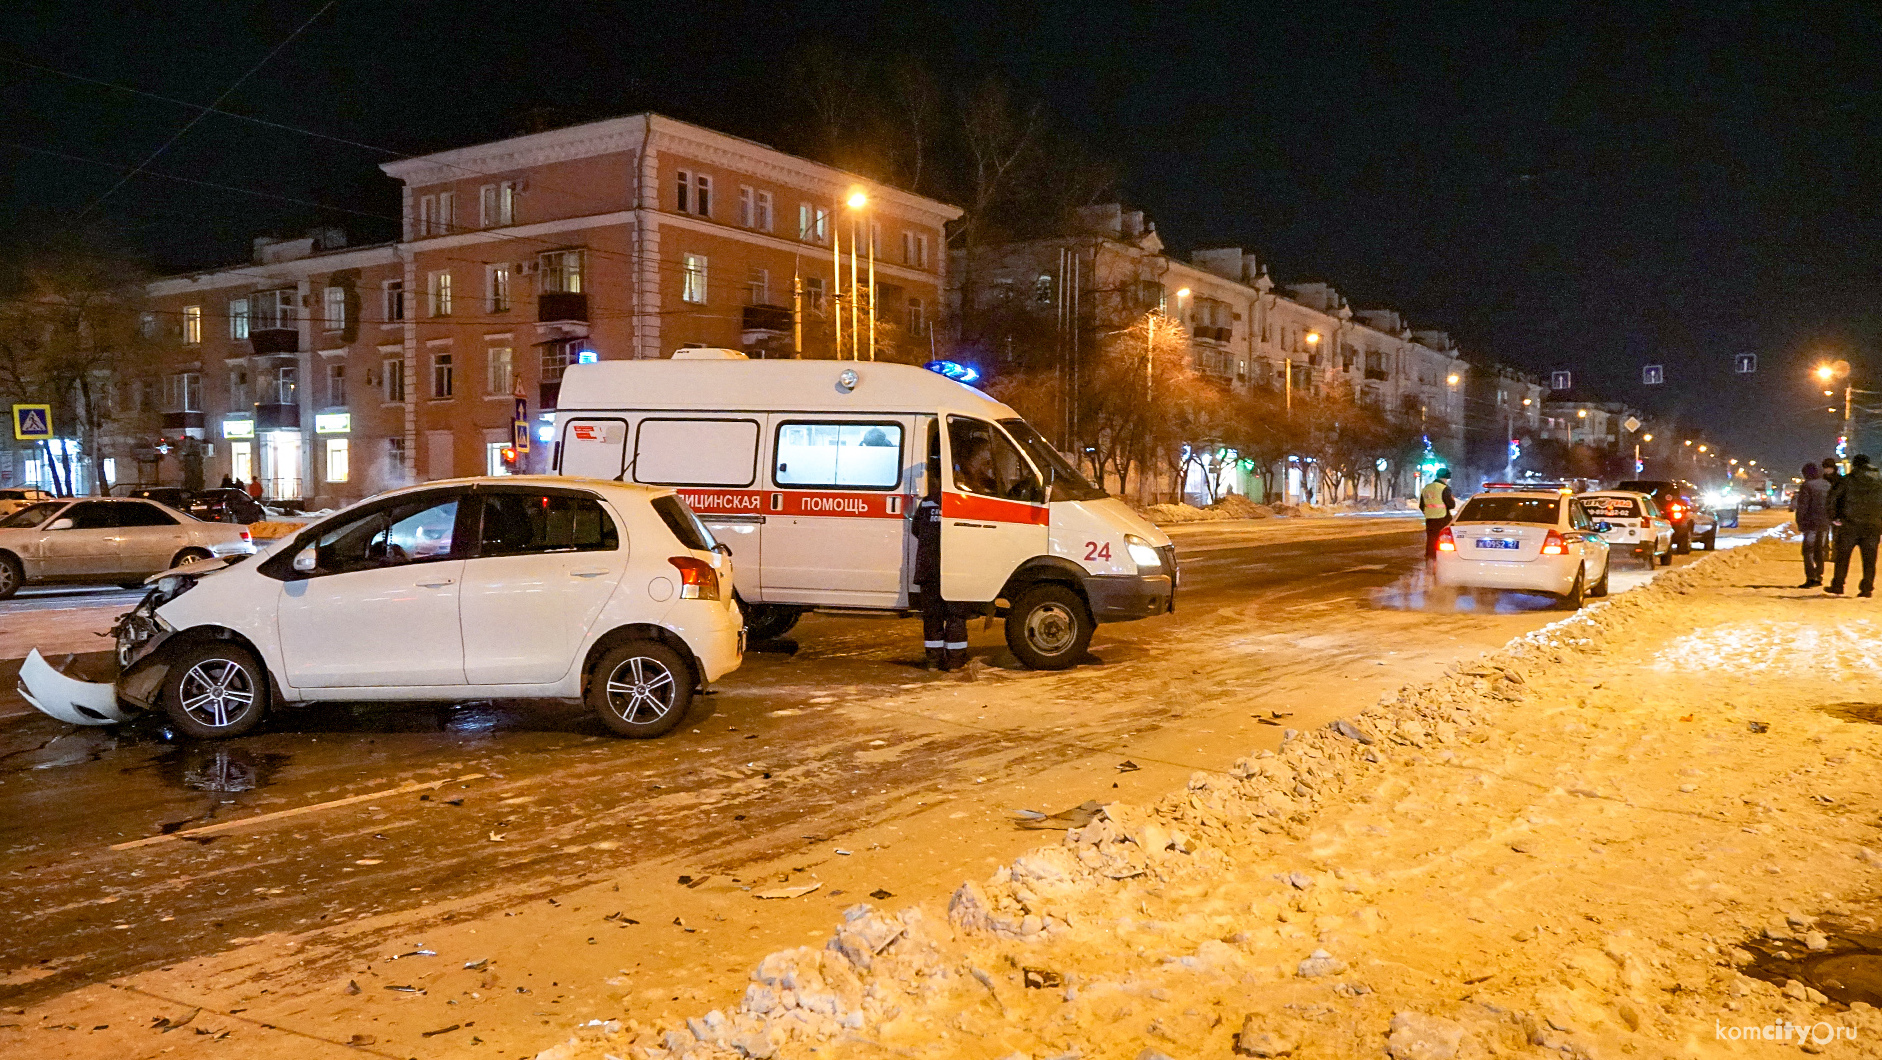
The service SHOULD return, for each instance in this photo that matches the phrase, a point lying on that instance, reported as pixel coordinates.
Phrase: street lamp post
(857, 201)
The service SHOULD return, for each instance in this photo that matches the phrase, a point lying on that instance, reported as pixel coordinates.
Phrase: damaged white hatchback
(514, 587)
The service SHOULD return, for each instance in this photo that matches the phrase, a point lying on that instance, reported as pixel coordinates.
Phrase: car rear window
(684, 524)
(1511, 510)
(1611, 507)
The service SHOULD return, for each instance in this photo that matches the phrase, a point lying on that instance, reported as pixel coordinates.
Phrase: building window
(1042, 289)
(238, 318)
(443, 379)
(747, 206)
(497, 287)
(438, 293)
(813, 223)
(447, 213)
(336, 460)
(287, 380)
(875, 240)
(393, 379)
(813, 293)
(395, 458)
(758, 287)
(555, 357)
(335, 306)
(192, 324)
(427, 215)
(695, 193)
(693, 278)
(183, 392)
(394, 296)
(917, 322)
(496, 205)
(562, 271)
(147, 325)
(908, 248)
(336, 385)
(274, 309)
(762, 221)
(241, 461)
(238, 389)
(498, 377)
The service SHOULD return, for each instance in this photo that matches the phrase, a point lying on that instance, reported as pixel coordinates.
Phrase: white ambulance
(811, 470)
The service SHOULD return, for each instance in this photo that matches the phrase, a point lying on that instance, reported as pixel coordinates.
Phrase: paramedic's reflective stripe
(709, 502)
(992, 509)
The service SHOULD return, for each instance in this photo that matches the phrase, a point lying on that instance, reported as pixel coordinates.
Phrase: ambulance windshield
(1065, 483)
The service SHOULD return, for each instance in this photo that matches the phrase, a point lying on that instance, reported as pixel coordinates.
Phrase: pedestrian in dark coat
(1811, 511)
(1856, 509)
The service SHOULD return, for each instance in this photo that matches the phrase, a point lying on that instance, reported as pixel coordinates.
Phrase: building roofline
(180, 282)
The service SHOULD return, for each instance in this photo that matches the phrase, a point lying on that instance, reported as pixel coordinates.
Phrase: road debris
(789, 892)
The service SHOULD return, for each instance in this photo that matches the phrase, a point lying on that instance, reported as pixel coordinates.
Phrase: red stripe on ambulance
(795, 502)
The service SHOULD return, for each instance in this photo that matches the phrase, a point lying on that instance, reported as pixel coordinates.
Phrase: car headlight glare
(1142, 553)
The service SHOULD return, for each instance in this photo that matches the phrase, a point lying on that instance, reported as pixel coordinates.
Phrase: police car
(1525, 538)
(1635, 524)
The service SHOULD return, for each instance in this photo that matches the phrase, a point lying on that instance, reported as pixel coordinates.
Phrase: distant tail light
(1553, 545)
(1446, 541)
(246, 538)
(698, 581)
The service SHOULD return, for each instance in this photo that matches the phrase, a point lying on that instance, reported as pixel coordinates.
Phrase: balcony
(277, 417)
(764, 320)
(183, 421)
(561, 307)
(275, 340)
(1376, 373)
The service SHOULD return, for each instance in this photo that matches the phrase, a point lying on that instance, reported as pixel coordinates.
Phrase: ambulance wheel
(1048, 628)
(769, 621)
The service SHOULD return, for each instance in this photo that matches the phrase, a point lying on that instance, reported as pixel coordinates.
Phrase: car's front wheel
(215, 690)
(1049, 628)
(641, 689)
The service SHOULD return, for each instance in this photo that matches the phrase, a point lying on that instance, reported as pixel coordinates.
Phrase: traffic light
(509, 458)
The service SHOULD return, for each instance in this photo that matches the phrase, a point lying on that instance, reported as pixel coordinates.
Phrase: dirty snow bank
(1553, 847)
(1236, 506)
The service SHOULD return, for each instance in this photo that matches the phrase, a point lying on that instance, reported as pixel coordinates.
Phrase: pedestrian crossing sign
(32, 423)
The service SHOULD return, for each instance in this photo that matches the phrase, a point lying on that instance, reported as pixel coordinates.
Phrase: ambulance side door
(835, 512)
(993, 510)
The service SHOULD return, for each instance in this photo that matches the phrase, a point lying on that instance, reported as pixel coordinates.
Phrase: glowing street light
(1646, 437)
(1313, 338)
(1702, 448)
(1581, 413)
(858, 200)
(1452, 378)
(1182, 292)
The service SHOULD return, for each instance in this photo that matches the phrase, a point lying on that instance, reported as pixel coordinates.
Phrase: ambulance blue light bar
(955, 370)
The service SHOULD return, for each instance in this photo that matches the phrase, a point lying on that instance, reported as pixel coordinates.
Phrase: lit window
(693, 278)
(336, 460)
(498, 377)
(443, 377)
(334, 303)
(192, 324)
(238, 318)
(562, 271)
(813, 223)
(438, 293)
(497, 287)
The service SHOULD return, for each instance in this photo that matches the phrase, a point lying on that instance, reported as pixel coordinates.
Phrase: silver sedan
(107, 539)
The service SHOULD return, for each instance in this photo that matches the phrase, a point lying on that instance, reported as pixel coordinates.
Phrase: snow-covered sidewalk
(1649, 829)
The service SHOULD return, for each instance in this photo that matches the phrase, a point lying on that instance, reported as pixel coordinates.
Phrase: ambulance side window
(986, 462)
(844, 455)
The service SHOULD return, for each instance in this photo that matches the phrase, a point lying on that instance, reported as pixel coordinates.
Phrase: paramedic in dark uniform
(943, 624)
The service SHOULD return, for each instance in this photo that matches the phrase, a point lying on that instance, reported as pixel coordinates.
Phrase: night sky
(1555, 186)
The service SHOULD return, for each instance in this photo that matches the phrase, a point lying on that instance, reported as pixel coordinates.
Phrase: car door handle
(437, 584)
(587, 573)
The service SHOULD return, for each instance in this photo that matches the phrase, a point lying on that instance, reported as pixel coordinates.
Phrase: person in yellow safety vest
(1437, 502)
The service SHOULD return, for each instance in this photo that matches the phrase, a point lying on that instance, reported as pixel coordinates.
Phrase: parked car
(106, 539)
(12, 500)
(1680, 502)
(1635, 524)
(1530, 540)
(224, 505)
(465, 589)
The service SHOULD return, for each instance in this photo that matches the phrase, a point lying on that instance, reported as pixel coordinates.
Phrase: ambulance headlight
(1143, 553)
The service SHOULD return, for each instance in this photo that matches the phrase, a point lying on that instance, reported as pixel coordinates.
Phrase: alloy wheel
(217, 692)
(641, 690)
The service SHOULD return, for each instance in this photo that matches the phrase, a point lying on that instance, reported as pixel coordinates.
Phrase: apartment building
(330, 372)
(1502, 405)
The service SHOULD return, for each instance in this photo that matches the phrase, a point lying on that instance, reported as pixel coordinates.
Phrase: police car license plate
(1498, 542)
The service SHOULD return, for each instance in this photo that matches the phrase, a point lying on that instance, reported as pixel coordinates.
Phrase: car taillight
(1446, 542)
(246, 539)
(1553, 545)
(1674, 511)
(698, 581)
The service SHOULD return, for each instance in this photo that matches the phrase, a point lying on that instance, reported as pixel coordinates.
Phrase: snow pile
(1541, 850)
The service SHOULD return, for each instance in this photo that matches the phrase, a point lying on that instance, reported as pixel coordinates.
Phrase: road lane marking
(226, 826)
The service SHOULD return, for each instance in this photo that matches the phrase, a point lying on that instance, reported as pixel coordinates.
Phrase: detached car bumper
(67, 698)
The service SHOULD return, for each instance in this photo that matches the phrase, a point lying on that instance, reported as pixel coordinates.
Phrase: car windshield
(684, 524)
(1064, 480)
(1503, 509)
(31, 516)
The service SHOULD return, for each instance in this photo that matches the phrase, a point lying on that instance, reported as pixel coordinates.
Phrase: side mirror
(306, 560)
(1602, 528)
(60, 524)
(722, 549)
